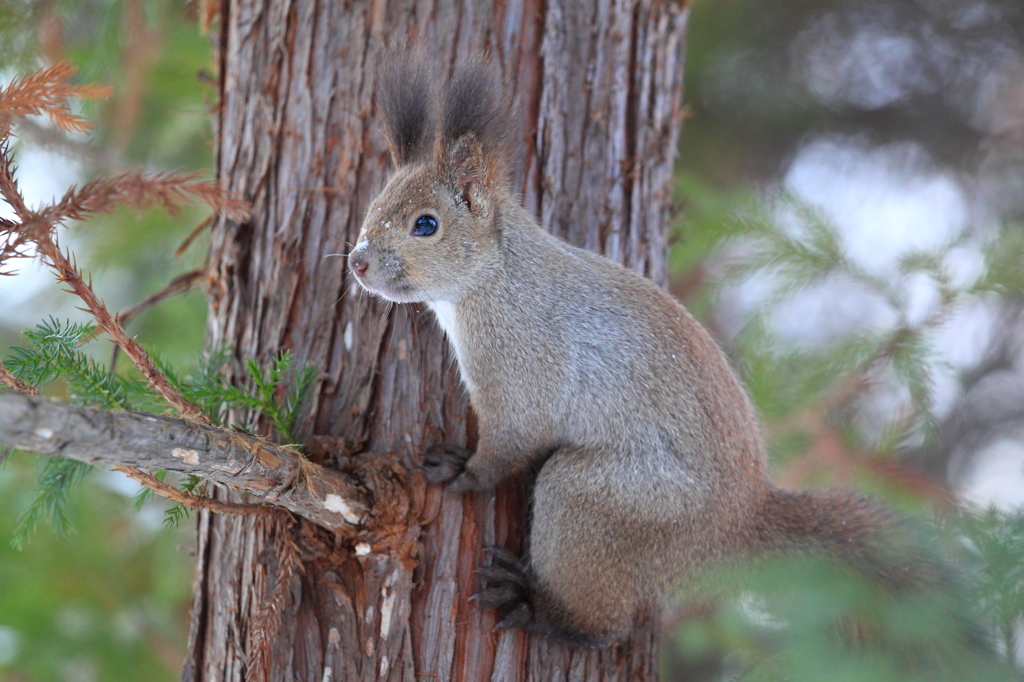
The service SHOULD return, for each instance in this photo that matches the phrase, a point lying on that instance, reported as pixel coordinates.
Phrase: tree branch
(68, 273)
(194, 501)
(14, 382)
(276, 475)
(179, 285)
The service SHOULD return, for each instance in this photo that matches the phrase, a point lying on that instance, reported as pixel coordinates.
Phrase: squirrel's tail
(903, 558)
(851, 529)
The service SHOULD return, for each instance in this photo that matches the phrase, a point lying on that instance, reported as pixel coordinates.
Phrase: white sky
(41, 176)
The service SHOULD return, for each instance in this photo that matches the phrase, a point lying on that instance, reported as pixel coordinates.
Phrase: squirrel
(651, 460)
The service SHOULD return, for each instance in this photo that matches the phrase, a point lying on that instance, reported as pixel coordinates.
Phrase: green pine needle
(280, 394)
(55, 354)
(146, 495)
(174, 515)
(57, 477)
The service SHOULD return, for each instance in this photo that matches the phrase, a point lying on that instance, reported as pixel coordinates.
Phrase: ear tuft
(404, 104)
(473, 140)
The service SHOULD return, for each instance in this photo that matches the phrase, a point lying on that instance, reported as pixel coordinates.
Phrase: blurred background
(108, 600)
(892, 131)
(851, 195)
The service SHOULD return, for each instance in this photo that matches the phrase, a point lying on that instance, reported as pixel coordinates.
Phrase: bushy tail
(853, 530)
(936, 627)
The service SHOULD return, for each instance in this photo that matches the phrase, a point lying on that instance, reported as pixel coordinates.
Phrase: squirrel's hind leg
(597, 550)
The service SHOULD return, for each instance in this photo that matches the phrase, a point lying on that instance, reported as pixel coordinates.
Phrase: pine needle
(57, 477)
(46, 92)
(170, 190)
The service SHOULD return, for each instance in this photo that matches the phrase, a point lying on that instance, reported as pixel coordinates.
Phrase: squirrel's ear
(472, 143)
(404, 103)
(464, 163)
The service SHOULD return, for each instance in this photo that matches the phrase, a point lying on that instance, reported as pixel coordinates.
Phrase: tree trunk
(599, 85)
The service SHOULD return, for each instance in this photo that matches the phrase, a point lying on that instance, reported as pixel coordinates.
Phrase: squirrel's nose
(358, 262)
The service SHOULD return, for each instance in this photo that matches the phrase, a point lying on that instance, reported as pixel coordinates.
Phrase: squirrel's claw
(506, 585)
(518, 618)
(496, 574)
(505, 594)
(443, 463)
(504, 558)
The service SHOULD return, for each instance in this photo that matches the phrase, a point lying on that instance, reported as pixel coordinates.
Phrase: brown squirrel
(651, 461)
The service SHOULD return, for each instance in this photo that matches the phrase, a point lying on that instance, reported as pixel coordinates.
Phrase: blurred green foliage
(786, 623)
(763, 75)
(752, 108)
(108, 601)
(994, 545)
(807, 396)
(806, 621)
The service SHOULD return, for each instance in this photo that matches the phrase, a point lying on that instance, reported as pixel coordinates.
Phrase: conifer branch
(133, 443)
(9, 186)
(67, 272)
(14, 382)
(46, 92)
(206, 222)
(276, 475)
(169, 190)
(179, 285)
(192, 501)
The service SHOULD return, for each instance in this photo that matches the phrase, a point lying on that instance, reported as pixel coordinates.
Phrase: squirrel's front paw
(443, 463)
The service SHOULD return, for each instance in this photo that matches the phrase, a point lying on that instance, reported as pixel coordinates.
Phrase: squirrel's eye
(425, 226)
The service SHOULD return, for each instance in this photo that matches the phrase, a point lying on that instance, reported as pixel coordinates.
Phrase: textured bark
(598, 86)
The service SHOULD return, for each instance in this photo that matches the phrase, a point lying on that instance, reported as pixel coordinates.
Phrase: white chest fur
(444, 311)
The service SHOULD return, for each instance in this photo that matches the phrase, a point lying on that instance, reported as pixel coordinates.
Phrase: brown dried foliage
(47, 92)
(169, 190)
(192, 501)
(268, 620)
